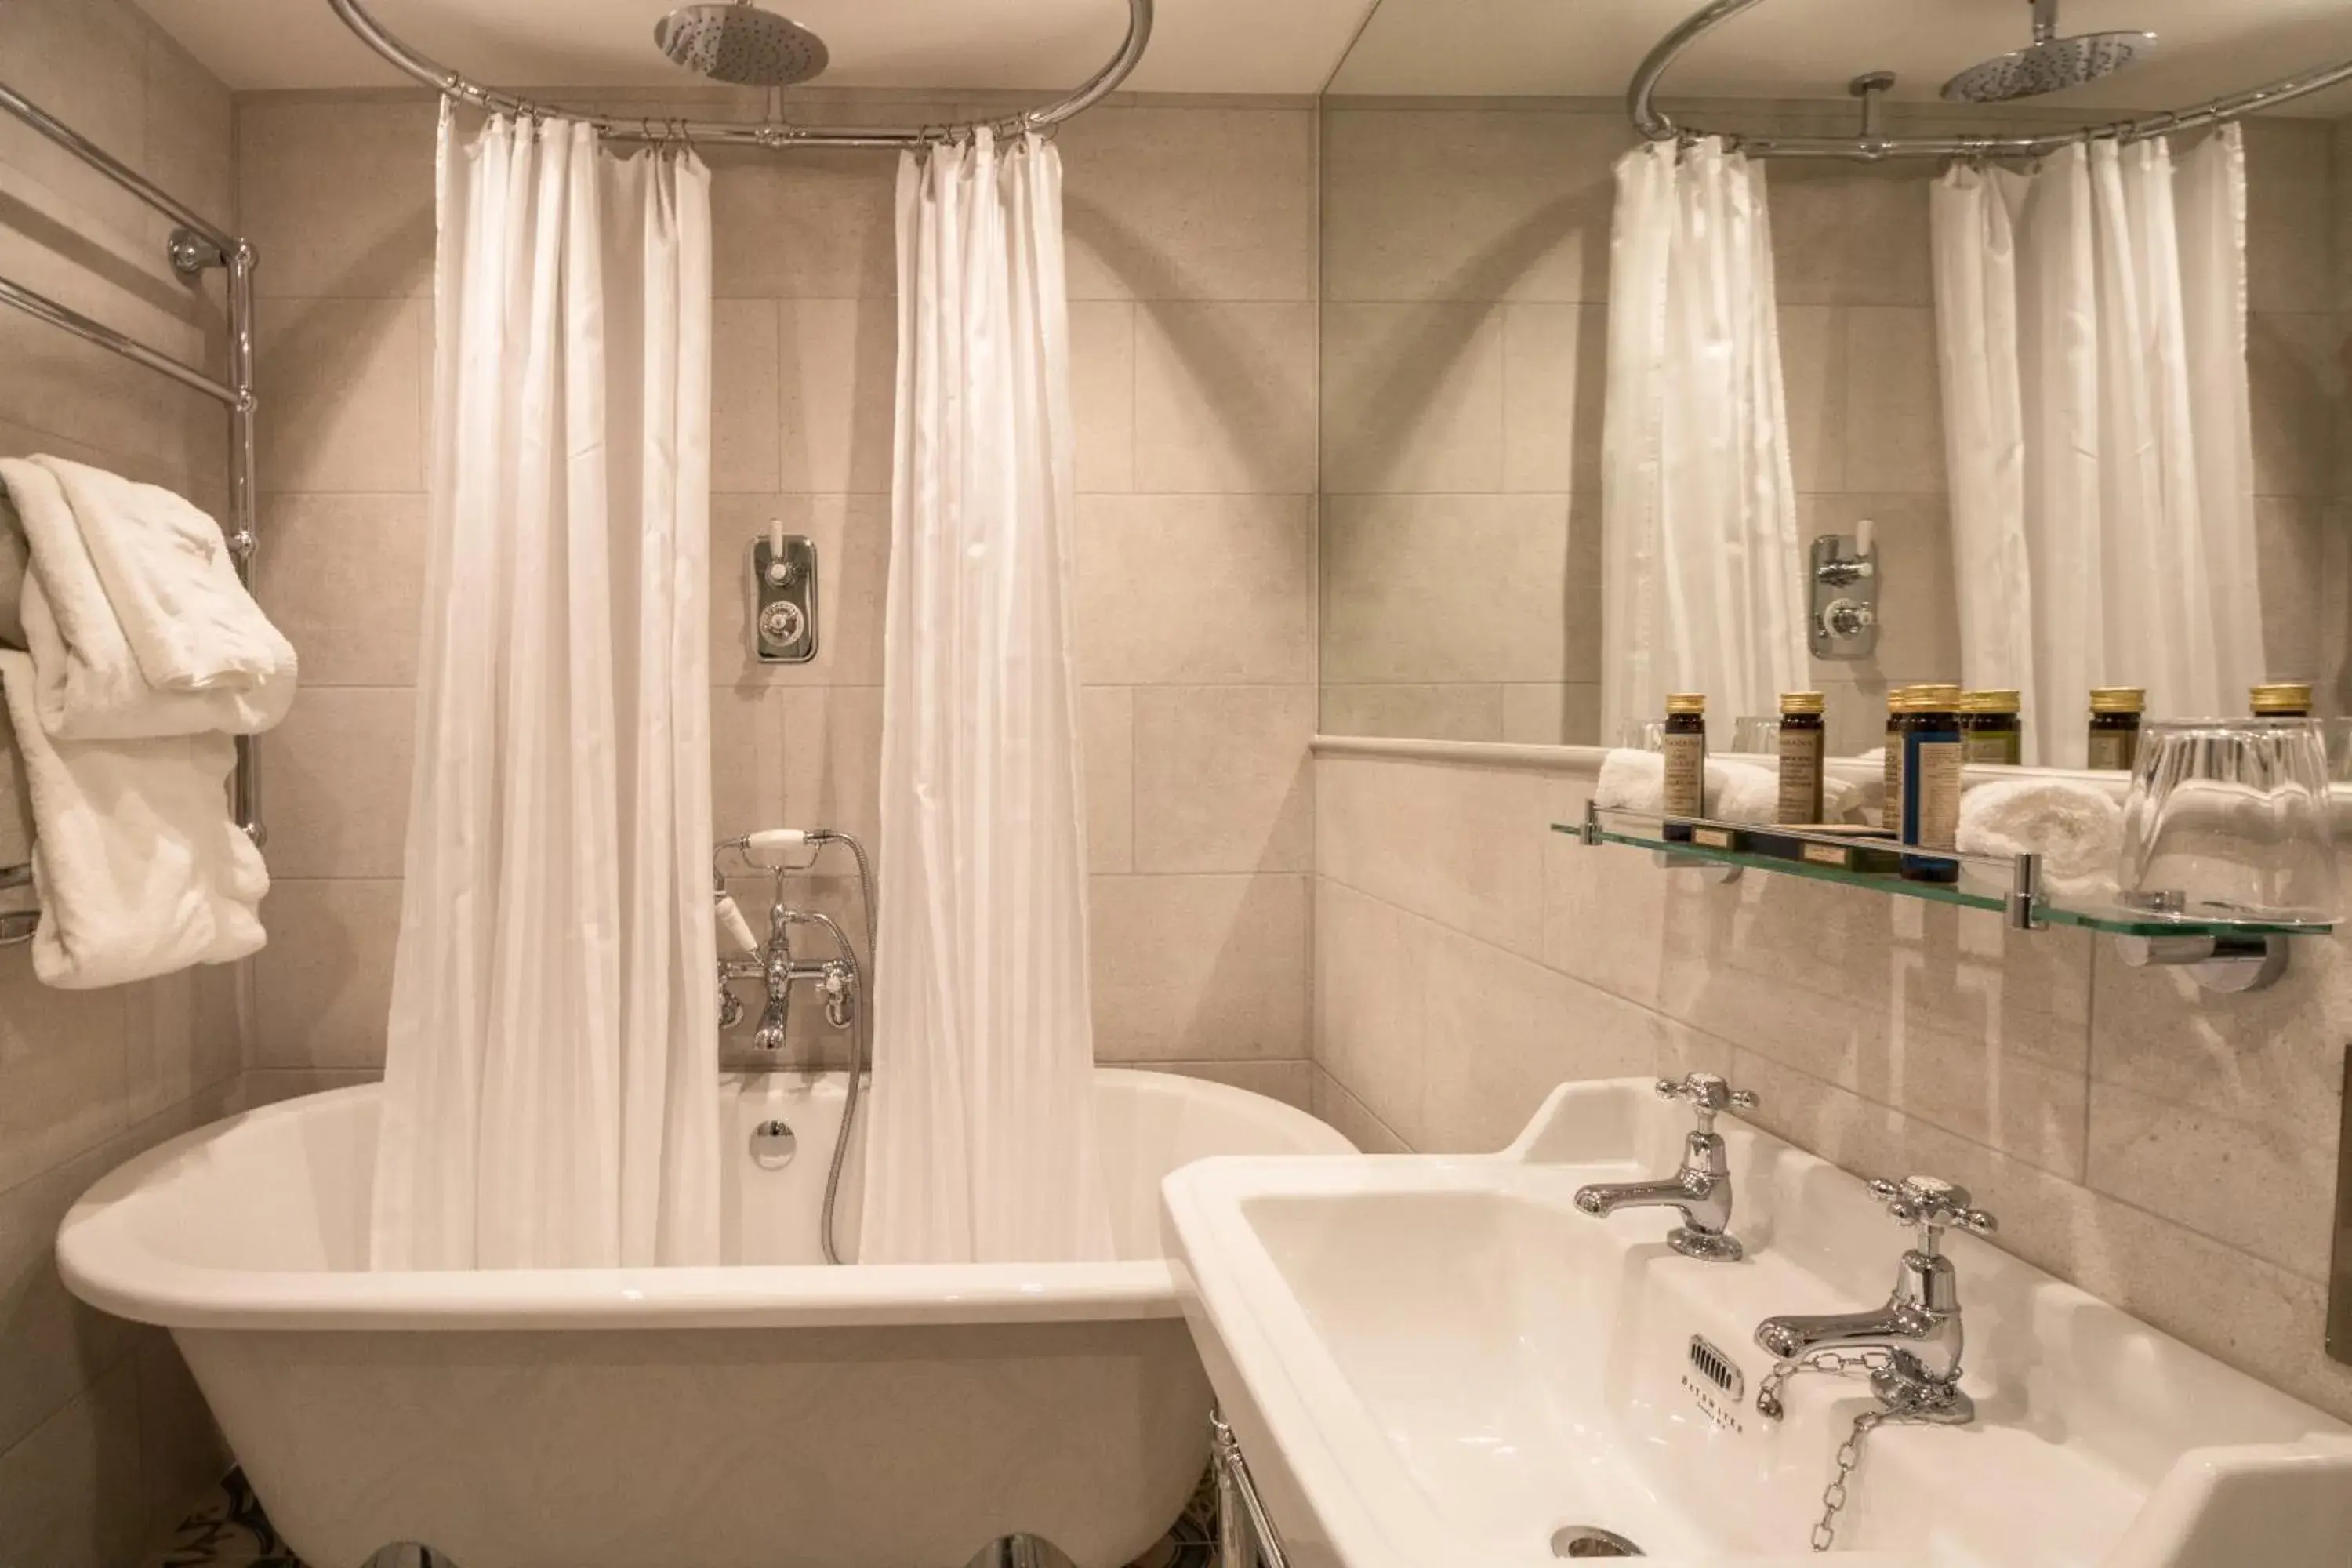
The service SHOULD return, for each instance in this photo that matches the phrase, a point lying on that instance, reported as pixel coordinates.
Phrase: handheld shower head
(741, 43)
(2048, 64)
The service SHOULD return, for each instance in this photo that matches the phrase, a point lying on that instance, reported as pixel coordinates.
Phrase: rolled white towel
(13, 562)
(1741, 792)
(2076, 828)
(1736, 791)
(1630, 781)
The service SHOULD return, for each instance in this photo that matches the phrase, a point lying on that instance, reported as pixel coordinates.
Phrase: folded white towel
(134, 614)
(1741, 792)
(12, 574)
(139, 868)
(2076, 828)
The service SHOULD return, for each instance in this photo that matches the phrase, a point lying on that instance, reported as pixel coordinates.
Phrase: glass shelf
(2000, 885)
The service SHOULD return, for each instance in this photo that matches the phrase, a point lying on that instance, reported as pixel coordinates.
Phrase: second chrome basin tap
(1701, 1189)
(1911, 1345)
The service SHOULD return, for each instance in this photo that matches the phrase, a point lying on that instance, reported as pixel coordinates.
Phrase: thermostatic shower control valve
(783, 597)
(1843, 582)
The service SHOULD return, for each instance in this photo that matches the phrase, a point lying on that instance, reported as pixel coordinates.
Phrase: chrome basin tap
(1701, 1190)
(1911, 1345)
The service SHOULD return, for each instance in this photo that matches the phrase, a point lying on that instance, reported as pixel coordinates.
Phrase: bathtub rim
(108, 1267)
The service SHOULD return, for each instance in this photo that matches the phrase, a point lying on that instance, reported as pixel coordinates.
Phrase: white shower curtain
(1702, 582)
(550, 1098)
(981, 1144)
(2091, 320)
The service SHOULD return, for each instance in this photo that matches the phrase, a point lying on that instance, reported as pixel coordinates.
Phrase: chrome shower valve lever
(1701, 1189)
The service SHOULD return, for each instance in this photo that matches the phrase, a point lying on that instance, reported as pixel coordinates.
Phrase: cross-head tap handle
(1707, 1095)
(1935, 1205)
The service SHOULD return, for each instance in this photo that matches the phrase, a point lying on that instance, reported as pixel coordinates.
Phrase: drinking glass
(2229, 817)
(1756, 736)
(1642, 735)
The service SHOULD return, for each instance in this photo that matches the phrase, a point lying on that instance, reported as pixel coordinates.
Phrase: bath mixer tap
(1911, 1345)
(1701, 1190)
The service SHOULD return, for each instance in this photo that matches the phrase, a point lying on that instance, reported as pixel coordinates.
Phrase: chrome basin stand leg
(1234, 1548)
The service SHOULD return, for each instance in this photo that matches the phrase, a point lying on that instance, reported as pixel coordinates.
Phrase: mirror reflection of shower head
(2048, 64)
(742, 44)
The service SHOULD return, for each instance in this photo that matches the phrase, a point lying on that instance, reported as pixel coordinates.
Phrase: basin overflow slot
(1581, 1540)
(1716, 1368)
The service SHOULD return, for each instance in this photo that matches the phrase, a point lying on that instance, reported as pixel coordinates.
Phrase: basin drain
(1590, 1540)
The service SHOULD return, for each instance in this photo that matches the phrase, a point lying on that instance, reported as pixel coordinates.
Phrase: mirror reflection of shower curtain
(2091, 322)
(981, 1142)
(1702, 581)
(551, 1092)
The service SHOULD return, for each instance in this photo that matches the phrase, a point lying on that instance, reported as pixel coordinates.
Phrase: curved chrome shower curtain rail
(741, 133)
(1655, 124)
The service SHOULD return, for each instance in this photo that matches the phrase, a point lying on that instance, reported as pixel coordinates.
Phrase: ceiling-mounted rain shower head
(2049, 63)
(742, 44)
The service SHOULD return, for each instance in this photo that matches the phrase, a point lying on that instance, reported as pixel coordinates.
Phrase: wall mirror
(2092, 510)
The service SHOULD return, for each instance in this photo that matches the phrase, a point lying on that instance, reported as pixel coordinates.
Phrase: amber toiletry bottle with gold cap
(1801, 737)
(2281, 699)
(2115, 726)
(1991, 729)
(1685, 746)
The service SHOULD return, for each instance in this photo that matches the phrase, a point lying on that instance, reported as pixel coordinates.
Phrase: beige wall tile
(339, 783)
(1413, 398)
(1555, 382)
(190, 147)
(840, 394)
(183, 1040)
(1438, 589)
(1813, 349)
(747, 759)
(86, 64)
(1469, 712)
(1222, 778)
(1372, 1003)
(1189, 204)
(1458, 846)
(1843, 235)
(337, 196)
(833, 759)
(1102, 392)
(54, 1346)
(70, 1491)
(1468, 204)
(2295, 376)
(2300, 553)
(1107, 722)
(323, 985)
(2260, 1186)
(1604, 914)
(746, 425)
(1233, 988)
(814, 225)
(1552, 714)
(1894, 415)
(1343, 1110)
(63, 1087)
(343, 577)
(1225, 397)
(2289, 215)
(345, 380)
(1238, 608)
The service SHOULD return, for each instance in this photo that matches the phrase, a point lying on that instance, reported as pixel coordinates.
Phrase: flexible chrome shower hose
(859, 1062)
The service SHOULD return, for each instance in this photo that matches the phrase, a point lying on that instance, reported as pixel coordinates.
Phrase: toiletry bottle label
(1801, 777)
(1685, 783)
(1931, 784)
(1890, 812)
(2113, 749)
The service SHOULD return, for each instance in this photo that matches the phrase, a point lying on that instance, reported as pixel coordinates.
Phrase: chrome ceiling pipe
(460, 89)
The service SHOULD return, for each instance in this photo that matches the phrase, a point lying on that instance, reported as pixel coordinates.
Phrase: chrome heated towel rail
(196, 245)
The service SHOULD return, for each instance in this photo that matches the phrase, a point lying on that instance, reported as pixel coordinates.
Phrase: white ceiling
(1197, 46)
(1786, 49)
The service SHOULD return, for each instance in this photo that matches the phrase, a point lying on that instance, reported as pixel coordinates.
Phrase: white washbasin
(1438, 1362)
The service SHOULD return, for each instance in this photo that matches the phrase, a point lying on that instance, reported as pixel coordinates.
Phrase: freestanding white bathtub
(771, 1413)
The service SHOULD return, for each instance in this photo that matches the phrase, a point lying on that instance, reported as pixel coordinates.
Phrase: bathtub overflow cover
(1591, 1541)
(773, 1144)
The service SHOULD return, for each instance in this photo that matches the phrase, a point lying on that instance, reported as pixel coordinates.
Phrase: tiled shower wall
(1192, 275)
(2168, 1150)
(1465, 331)
(103, 1439)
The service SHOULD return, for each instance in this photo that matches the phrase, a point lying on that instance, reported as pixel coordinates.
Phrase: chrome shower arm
(1654, 124)
(450, 84)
